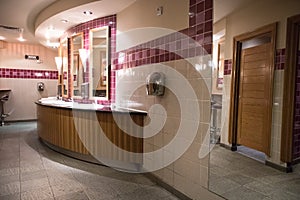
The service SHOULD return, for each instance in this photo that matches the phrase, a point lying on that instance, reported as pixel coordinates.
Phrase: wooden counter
(77, 132)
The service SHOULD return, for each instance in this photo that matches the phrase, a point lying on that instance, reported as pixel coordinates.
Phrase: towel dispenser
(155, 84)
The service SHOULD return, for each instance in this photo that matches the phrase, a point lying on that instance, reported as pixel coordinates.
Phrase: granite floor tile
(10, 188)
(9, 179)
(262, 188)
(222, 185)
(9, 171)
(16, 196)
(34, 184)
(12, 163)
(73, 196)
(33, 171)
(66, 189)
(239, 178)
(255, 180)
(283, 195)
(33, 175)
(123, 187)
(101, 193)
(38, 194)
(243, 193)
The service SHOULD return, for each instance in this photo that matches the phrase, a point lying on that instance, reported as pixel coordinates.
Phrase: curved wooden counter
(76, 132)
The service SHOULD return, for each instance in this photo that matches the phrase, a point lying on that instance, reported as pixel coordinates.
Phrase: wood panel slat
(255, 64)
(72, 129)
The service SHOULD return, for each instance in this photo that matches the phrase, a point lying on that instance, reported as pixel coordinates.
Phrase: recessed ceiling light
(87, 12)
(21, 39)
(64, 21)
(2, 38)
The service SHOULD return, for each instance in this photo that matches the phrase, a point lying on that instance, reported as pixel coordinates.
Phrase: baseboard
(22, 120)
(171, 189)
(226, 146)
(287, 169)
(295, 162)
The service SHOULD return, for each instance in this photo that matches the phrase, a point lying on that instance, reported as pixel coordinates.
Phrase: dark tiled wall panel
(296, 130)
(227, 67)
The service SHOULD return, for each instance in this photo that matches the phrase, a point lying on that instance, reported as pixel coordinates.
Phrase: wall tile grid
(28, 74)
(84, 28)
(296, 129)
(280, 59)
(172, 49)
(174, 46)
(227, 67)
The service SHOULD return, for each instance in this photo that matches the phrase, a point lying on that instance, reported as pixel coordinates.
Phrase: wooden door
(254, 103)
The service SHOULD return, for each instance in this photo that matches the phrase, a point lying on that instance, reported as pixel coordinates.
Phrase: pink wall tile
(28, 74)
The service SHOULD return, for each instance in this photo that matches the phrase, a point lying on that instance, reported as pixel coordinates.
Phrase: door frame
(234, 100)
(288, 100)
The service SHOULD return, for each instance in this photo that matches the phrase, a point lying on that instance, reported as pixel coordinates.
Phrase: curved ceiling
(37, 17)
(50, 24)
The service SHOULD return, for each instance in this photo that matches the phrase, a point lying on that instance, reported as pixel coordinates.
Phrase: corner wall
(173, 53)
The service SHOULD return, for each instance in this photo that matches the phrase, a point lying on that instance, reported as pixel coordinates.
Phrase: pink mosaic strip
(280, 59)
(28, 74)
(227, 67)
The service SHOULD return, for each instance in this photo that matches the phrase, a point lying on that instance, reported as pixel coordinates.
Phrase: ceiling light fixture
(87, 12)
(20, 38)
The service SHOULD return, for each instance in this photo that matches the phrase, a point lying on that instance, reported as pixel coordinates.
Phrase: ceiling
(37, 17)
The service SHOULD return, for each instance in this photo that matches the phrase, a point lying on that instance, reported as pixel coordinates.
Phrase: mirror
(99, 62)
(77, 72)
(220, 64)
(64, 55)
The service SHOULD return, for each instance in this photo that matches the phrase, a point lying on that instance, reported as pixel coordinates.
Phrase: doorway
(290, 147)
(252, 89)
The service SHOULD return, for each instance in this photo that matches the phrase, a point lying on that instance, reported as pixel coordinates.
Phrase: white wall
(258, 14)
(24, 91)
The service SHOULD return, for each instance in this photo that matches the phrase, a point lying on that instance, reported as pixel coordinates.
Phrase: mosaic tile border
(28, 74)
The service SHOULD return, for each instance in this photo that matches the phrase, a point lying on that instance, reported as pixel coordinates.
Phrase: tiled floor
(235, 176)
(29, 170)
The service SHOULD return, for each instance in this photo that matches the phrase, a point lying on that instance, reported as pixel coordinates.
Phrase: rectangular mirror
(77, 72)
(99, 62)
(220, 67)
(64, 55)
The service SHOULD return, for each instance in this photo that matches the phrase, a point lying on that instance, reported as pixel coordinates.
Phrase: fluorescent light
(59, 62)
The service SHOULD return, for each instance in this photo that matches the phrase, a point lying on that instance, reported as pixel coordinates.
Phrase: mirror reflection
(99, 62)
(76, 65)
(64, 54)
